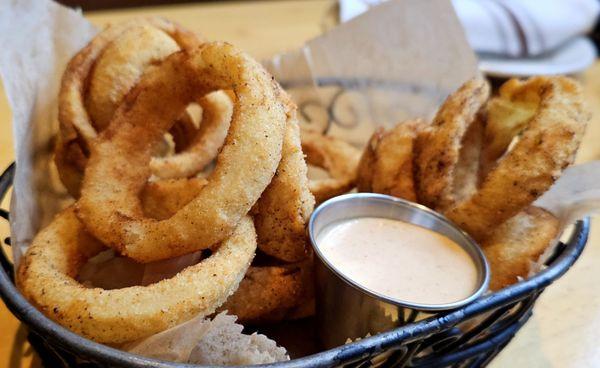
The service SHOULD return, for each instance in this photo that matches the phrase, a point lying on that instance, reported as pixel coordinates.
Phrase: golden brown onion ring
(468, 170)
(386, 165)
(120, 65)
(507, 115)
(271, 293)
(74, 120)
(118, 166)
(438, 148)
(185, 130)
(70, 161)
(161, 199)
(281, 213)
(365, 172)
(337, 157)
(119, 68)
(217, 110)
(98, 77)
(46, 277)
(547, 145)
(517, 244)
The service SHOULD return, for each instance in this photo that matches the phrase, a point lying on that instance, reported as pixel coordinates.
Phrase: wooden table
(565, 329)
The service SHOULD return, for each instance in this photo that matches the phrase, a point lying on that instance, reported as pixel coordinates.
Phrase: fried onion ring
(46, 277)
(120, 66)
(337, 157)
(118, 69)
(517, 244)
(507, 115)
(133, 48)
(467, 172)
(70, 160)
(118, 165)
(271, 293)
(97, 79)
(546, 146)
(75, 123)
(217, 110)
(386, 165)
(281, 213)
(438, 147)
(161, 199)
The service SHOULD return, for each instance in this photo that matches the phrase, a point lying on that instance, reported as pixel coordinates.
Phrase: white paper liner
(216, 342)
(37, 39)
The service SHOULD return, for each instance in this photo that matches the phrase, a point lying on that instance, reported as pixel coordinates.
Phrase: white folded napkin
(515, 28)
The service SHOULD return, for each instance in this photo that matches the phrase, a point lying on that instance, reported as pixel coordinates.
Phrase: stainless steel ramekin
(346, 310)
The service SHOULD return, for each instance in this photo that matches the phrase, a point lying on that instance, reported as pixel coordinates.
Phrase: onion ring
(186, 128)
(270, 293)
(281, 213)
(337, 157)
(70, 160)
(217, 110)
(161, 199)
(386, 165)
(547, 145)
(438, 147)
(120, 66)
(75, 123)
(125, 54)
(517, 244)
(118, 165)
(507, 115)
(365, 172)
(46, 278)
(468, 170)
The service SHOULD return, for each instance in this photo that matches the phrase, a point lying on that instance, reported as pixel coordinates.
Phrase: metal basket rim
(70, 341)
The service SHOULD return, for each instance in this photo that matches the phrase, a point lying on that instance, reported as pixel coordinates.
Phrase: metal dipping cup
(346, 310)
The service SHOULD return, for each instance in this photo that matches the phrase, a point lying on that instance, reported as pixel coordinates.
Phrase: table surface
(565, 328)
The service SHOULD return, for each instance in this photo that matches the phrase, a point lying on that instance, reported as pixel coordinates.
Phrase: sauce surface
(399, 260)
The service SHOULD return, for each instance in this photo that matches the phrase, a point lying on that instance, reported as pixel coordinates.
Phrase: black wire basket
(468, 337)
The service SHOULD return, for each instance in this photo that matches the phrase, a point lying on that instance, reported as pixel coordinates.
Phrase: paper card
(395, 62)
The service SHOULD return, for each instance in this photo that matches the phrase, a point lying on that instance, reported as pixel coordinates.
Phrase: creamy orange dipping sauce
(399, 260)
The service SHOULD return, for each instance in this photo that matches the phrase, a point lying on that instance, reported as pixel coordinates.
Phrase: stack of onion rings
(118, 165)
(547, 144)
(483, 162)
(257, 137)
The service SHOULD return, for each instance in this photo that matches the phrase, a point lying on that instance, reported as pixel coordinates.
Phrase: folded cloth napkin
(514, 28)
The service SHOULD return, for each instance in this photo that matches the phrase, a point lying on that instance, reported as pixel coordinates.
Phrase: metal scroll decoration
(349, 103)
